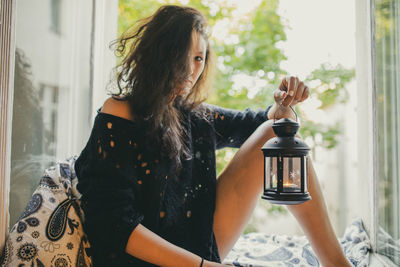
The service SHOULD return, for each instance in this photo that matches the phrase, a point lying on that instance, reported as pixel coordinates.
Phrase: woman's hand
(291, 91)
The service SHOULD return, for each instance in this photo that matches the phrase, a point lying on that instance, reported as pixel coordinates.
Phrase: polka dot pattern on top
(125, 180)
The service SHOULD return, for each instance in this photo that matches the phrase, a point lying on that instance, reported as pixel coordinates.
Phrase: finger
(279, 96)
(283, 85)
(299, 92)
(306, 93)
(292, 87)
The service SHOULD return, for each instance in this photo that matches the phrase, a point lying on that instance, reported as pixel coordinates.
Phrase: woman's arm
(311, 215)
(147, 246)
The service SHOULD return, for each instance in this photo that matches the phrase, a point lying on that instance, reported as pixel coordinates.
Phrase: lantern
(285, 165)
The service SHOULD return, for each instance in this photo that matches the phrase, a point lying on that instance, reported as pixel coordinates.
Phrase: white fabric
(258, 249)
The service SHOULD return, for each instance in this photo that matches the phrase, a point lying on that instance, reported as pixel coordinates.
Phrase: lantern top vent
(285, 142)
(285, 127)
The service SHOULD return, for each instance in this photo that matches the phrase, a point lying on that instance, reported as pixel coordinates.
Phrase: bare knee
(251, 149)
(262, 134)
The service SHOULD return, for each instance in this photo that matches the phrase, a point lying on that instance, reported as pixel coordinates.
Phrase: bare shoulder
(117, 108)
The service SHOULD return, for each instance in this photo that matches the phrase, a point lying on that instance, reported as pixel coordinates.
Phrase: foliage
(327, 133)
(131, 11)
(330, 84)
(253, 54)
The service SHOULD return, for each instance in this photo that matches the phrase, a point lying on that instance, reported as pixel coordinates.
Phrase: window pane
(51, 90)
(387, 23)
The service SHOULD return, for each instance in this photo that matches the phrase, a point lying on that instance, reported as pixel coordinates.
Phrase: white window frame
(103, 59)
(367, 189)
(365, 111)
(7, 44)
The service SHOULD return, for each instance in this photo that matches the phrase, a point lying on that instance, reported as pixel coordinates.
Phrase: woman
(147, 173)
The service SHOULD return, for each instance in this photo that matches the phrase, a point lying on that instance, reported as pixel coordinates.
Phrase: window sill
(377, 260)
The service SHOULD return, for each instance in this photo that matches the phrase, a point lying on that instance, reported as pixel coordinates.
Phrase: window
(51, 86)
(387, 84)
(51, 114)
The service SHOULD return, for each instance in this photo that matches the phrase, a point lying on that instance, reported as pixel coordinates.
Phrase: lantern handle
(280, 107)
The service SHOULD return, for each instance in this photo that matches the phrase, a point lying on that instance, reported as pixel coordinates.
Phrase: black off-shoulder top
(125, 181)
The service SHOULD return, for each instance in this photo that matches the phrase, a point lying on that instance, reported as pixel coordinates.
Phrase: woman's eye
(198, 58)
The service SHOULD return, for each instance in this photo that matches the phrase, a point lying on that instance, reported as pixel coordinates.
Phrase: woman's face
(197, 54)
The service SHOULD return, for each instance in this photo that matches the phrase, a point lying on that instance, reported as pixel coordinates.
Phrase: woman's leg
(239, 187)
(314, 220)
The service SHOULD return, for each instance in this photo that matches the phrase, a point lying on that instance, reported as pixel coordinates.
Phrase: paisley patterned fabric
(49, 231)
(258, 249)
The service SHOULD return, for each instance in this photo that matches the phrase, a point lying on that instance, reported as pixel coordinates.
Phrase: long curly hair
(154, 54)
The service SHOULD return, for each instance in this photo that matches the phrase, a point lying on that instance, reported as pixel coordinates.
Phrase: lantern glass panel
(305, 174)
(271, 170)
(267, 170)
(292, 174)
(274, 172)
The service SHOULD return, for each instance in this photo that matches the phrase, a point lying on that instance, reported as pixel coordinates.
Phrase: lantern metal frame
(285, 146)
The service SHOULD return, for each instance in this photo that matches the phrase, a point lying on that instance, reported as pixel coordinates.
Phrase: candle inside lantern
(289, 187)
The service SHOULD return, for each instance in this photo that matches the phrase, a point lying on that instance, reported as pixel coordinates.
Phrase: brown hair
(154, 61)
